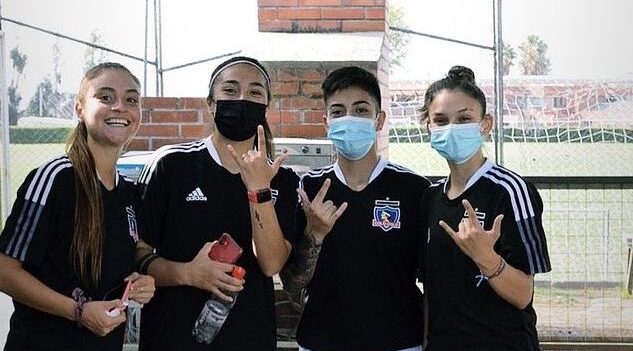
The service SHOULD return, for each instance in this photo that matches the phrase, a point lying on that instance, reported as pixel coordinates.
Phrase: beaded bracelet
(498, 270)
(80, 301)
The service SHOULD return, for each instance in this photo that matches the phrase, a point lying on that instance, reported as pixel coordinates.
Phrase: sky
(586, 38)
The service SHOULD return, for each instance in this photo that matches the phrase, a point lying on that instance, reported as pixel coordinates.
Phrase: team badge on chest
(386, 215)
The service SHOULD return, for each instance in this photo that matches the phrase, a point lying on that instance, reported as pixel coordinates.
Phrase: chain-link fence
(574, 140)
(34, 140)
(584, 298)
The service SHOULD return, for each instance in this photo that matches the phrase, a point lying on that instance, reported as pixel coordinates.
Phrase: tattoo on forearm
(259, 221)
(296, 275)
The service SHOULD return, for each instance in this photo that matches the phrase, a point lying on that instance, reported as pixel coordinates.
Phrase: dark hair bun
(462, 73)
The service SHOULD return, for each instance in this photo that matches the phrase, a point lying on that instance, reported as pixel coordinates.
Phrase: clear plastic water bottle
(214, 313)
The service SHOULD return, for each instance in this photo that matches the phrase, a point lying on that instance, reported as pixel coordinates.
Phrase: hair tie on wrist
(145, 261)
(80, 301)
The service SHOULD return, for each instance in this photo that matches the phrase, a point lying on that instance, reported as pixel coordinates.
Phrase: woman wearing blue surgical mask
(194, 192)
(357, 256)
(485, 236)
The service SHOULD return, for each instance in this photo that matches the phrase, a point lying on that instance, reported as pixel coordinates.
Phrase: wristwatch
(260, 196)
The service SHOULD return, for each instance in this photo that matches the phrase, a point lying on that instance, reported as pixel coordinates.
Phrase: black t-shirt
(190, 199)
(465, 313)
(39, 233)
(363, 295)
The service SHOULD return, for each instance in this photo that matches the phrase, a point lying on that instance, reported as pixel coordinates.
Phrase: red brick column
(298, 106)
(321, 16)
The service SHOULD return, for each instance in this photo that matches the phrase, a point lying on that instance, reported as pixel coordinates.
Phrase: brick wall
(170, 120)
(321, 16)
(297, 106)
(296, 109)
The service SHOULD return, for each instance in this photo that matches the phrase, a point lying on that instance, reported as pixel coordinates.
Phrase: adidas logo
(196, 195)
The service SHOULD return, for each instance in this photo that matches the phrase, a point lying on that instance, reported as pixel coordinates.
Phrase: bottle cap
(238, 272)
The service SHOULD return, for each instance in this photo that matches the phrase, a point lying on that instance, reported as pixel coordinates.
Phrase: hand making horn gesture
(471, 238)
(255, 170)
(321, 216)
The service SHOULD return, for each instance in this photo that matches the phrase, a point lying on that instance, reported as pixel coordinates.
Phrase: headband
(213, 77)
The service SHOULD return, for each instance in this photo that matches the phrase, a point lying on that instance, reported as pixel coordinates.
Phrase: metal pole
(409, 31)
(5, 184)
(160, 45)
(93, 45)
(156, 48)
(201, 61)
(498, 81)
(145, 56)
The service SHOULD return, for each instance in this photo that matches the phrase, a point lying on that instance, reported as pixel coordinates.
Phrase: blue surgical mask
(352, 136)
(457, 143)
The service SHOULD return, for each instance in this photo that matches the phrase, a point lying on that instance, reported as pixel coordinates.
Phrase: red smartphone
(225, 250)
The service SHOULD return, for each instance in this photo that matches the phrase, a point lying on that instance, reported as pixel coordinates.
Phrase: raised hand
(95, 319)
(321, 216)
(255, 170)
(472, 239)
(214, 276)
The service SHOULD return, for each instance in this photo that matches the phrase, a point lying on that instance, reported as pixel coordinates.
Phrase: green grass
(530, 159)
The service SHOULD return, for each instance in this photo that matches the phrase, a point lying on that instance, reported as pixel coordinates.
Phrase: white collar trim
(380, 166)
(212, 150)
(485, 167)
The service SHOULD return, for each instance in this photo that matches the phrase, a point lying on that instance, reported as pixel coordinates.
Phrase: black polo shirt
(464, 311)
(363, 295)
(190, 199)
(39, 233)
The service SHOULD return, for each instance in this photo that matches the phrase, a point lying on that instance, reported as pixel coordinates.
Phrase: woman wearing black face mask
(194, 192)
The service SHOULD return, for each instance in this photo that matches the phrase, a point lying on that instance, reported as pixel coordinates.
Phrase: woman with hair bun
(485, 236)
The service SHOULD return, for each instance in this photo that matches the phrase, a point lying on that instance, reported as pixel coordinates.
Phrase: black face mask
(238, 119)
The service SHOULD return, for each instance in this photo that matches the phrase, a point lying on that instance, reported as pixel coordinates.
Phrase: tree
(94, 56)
(57, 76)
(42, 103)
(19, 62)
(397, 40)
(508, 58)
(534, 60)
(48, 100)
